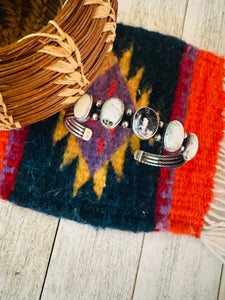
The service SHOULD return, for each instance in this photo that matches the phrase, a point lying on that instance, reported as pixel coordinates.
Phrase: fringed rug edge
(213, 231)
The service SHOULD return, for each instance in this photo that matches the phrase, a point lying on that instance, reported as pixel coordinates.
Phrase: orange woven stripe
(193, 182)
(4, 137)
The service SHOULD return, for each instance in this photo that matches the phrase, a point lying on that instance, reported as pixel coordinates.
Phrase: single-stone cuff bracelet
(145, 124)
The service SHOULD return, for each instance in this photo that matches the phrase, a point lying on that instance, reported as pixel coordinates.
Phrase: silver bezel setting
(148, 119)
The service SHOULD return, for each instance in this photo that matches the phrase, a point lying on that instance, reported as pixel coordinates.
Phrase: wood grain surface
(90, 264)
(158, 15)
(204, 25)
(221, 291)
(26, 239)
(176, 267)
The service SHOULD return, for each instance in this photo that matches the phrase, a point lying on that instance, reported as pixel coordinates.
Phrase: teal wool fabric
(128, 201)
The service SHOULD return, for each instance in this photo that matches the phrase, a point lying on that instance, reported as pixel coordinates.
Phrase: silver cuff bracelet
(145, 124)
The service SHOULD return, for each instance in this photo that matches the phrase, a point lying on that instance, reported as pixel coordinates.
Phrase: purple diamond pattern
(104, 143)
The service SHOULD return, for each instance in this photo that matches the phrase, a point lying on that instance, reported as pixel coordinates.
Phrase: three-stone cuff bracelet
(145, 124)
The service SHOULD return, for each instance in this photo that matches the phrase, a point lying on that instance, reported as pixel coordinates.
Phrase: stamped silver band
(156, 160)
(76, 128)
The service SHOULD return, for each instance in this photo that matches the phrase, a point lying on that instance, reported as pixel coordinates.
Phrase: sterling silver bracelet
(145, 124)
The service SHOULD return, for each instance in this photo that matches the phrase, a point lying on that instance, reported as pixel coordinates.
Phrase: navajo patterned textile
(46, 168)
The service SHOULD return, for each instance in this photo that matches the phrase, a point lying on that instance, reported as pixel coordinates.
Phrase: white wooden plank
(90, 264)
(26, 239)
(205, 25)
(176, 267)
(158, 15)
(221, 294)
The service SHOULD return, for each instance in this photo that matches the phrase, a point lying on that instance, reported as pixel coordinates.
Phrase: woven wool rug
(45, 168)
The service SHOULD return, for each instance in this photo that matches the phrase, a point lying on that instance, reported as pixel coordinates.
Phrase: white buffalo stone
(174, 136)
(112, 113)
(82, 108)
(191, 147)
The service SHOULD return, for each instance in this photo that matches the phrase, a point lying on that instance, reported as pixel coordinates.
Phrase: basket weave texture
(50, 53)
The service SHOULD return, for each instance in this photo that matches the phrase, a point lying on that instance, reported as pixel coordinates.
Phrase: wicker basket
(50, 54)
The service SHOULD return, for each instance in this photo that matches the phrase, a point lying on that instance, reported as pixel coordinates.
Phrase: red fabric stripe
(112, 88)
(13, 156)
(100, 146)
(4, 137)
(179, 109)
(193, 182)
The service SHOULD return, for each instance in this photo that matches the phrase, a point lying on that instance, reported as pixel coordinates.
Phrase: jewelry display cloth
(46, 168)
